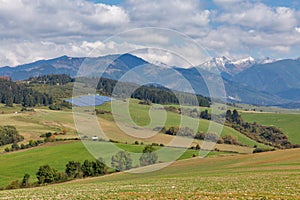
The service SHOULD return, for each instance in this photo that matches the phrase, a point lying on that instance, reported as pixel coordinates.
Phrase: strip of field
(271, 175)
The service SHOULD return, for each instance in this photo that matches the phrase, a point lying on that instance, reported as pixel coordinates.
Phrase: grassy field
(32, 124)
(288, 123)
(140, 115)
(271, 175)
(14, 165)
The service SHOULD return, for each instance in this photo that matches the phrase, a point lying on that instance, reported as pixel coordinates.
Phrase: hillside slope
(234, 177)
(288, 123)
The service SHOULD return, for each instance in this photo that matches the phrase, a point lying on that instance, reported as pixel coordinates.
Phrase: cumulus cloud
(36, 29)
(172, 14)
(55, 18)
(259, 16)
(44, 29)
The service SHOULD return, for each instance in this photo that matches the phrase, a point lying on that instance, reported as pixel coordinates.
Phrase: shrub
(99, 167)
(121, 161)
(25, 181)
(228, 139)
(200, 136)
(73, 169)
(13, 185)
(145, 102)
(46, 174)
(149, 156)
(55, 107)
(220, 141)
(211, 137)
(9, 135)
(87, 169)
(260, 150)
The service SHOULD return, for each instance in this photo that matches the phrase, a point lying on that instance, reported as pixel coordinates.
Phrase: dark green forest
(19, 93)
(154, 93)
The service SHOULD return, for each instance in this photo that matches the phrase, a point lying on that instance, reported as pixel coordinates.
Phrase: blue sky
(210, 4)
(233, 28)
(109, 2)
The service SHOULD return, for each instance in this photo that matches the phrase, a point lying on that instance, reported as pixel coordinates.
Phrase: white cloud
(283, 49)
(35, 29)
(162, 57)
(260, 16)
(172, 14)
(55, 18)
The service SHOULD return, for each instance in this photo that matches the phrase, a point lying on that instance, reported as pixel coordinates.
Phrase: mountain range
(261, 82)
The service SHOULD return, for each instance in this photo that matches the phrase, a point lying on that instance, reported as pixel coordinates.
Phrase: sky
(31, 30)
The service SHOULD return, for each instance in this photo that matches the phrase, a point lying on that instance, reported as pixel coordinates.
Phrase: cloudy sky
(38, 29)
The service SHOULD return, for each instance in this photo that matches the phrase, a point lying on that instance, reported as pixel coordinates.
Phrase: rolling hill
(232, 177)
(289, 123)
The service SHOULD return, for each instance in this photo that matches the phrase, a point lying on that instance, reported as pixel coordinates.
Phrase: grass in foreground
(271, 175)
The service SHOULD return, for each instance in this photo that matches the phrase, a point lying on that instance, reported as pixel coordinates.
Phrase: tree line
(48, 175)
(153, 93)
(269, 135)
(188, 132)
(51, 79)
(20, 93)
(74, 170)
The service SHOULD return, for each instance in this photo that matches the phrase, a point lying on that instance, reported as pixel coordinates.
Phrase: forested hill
(19, 93)
(30, 93)
(153, 93)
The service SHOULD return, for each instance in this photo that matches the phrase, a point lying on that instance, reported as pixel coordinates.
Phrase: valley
(51, 135)
(149, 100)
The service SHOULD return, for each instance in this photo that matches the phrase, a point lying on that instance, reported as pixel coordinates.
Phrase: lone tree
(149, 156)
(121, 161)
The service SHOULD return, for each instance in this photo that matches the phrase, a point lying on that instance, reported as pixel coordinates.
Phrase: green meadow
(15, 164)
(288, 123)
(271, 175)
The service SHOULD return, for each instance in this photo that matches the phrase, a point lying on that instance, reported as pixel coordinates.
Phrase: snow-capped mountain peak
(267, 60)
(221, 61)
(225, 64)
(244, 63)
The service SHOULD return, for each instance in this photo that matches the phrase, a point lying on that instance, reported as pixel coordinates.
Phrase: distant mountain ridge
(262, 82)
(234, 66)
